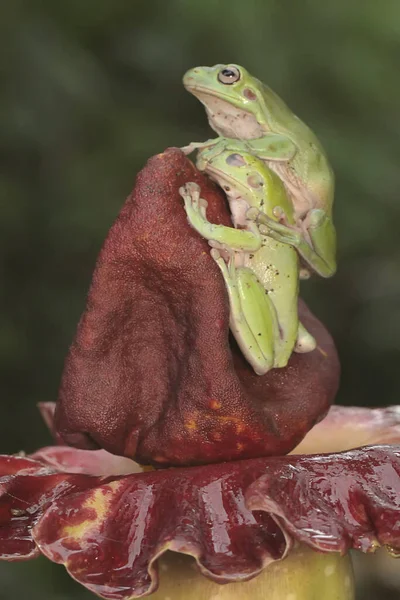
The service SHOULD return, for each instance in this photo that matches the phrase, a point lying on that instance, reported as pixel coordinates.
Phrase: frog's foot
(284, 233)
(281, 233)
(192, 147)
(196, 208)
(305, 341)
(280, 214)
(221, 250)
(252, 214)
(316, 218)
(197, 146)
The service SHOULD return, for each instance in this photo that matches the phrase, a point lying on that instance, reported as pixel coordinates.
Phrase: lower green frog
(260, 273)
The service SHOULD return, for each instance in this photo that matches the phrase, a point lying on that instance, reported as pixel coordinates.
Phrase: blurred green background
(91, 88)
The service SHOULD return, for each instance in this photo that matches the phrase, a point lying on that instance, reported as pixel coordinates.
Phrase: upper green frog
(239, 106)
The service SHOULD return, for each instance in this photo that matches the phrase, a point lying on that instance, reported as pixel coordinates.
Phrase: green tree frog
(240, 106)
(261, 274)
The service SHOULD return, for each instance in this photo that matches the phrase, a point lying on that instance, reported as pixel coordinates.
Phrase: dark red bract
(233, 518)
(152, 373)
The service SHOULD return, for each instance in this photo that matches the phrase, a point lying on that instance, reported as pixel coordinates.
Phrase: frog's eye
(229, 75)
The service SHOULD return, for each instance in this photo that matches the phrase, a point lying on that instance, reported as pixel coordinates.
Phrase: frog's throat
(224, 113)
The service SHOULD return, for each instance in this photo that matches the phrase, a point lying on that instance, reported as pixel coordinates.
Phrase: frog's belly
(276, 266)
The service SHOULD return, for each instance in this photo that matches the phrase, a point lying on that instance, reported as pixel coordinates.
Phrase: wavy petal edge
(233, 518)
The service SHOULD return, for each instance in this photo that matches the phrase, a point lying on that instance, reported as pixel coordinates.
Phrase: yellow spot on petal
(99, 502)
(191, 425)
(239, 446)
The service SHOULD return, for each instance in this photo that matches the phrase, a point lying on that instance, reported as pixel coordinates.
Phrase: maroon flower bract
(234, 518)
(152, 373)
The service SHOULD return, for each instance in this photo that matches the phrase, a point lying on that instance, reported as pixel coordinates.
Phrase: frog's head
(242, 176)
(247, 181)
(233, 99)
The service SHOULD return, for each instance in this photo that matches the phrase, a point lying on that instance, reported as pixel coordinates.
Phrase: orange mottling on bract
(240, 446)
(160, 459)
(232, 420)
(191, 425)
(215, 404)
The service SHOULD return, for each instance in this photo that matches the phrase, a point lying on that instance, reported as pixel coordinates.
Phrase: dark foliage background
(90, 89)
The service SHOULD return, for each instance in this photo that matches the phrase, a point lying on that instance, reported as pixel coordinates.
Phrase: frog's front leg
(198, 145)
(253, 320)
(323, 237)
(319, 252)
(237, 239)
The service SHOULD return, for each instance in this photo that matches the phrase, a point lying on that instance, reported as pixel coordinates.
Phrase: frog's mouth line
(206, 92)
(220, 178)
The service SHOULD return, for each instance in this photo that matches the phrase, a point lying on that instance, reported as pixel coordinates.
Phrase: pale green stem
(303, 575)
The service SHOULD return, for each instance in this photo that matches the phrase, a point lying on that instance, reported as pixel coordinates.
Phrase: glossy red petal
(27, 488)
(347, 427)
(234, 518)
(110, 537)
(152, 374)
(335, 502)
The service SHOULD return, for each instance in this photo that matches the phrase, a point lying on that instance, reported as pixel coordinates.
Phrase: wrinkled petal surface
(347, 427)
(27, 489)
(234, 518)
(335, 502)
(109, 532)
(152, 373)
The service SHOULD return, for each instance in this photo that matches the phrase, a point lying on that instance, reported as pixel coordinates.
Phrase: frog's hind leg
(253, 319)
(305, 341)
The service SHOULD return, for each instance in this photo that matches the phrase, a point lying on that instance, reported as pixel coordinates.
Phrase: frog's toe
(187, 149)
(216, 245)
(215, 254)
(280, 214)
(203, 207)
(316, 217)
(252, 214)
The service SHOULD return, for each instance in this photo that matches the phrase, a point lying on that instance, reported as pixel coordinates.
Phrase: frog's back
(276, 266)
(310, 162)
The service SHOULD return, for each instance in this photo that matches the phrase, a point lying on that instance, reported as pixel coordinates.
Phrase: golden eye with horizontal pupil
(235, 160)
(229, 75)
